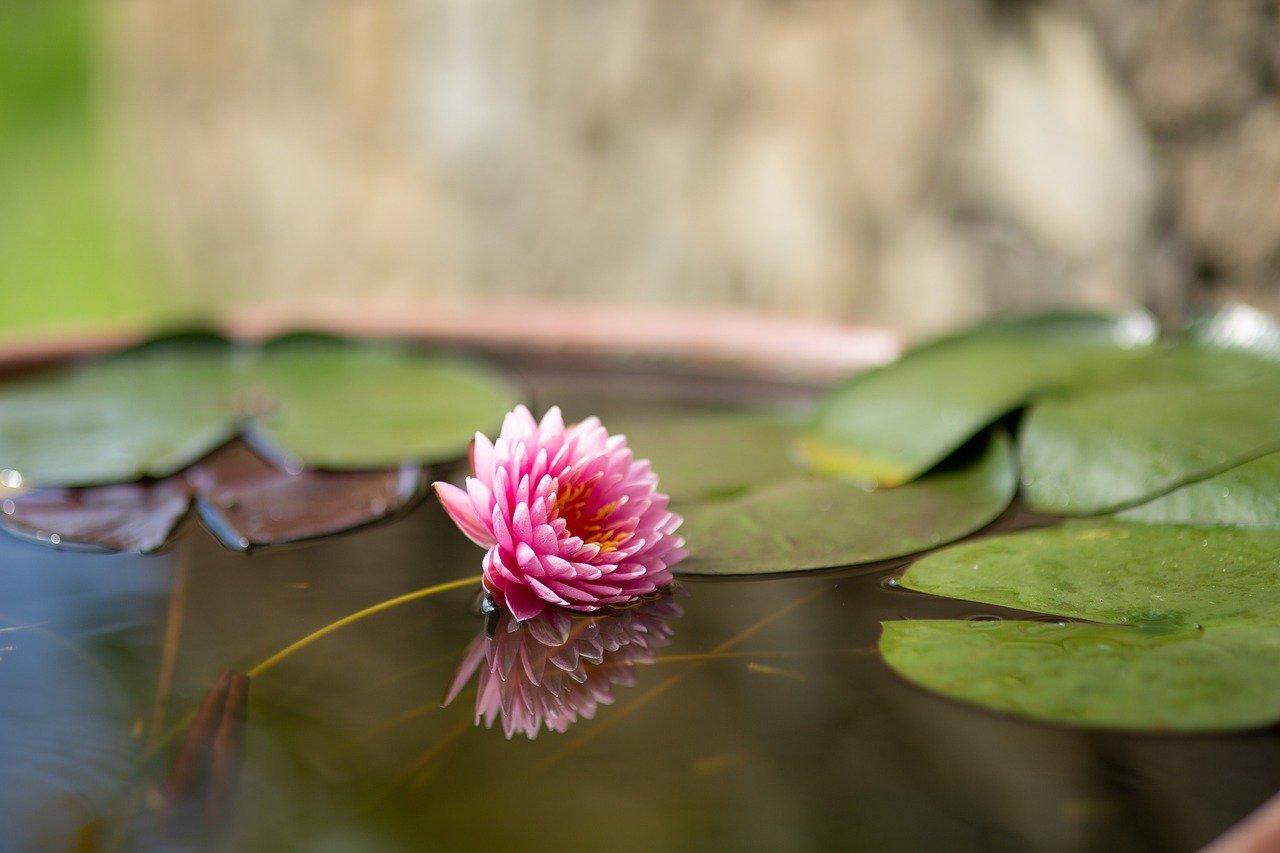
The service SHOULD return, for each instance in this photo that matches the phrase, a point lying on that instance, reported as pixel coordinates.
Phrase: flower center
(585, 517)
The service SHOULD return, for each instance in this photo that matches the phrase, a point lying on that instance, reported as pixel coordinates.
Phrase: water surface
(767, 723)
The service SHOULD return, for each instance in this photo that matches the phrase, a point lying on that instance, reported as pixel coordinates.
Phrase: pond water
(767, 722)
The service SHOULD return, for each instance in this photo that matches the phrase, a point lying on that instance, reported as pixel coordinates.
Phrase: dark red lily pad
(247, 501)
(244, 499)
(124, 517)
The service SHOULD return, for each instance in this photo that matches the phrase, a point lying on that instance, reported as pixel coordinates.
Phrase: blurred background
(903, 163)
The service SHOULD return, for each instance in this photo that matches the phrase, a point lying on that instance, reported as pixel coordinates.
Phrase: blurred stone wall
(1204, 79)
(905, 162)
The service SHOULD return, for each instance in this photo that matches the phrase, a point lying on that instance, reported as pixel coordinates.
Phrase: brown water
(768, 722)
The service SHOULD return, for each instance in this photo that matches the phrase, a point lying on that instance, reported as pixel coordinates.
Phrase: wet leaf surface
(126, 517)
(892, 424)
(246, 501)
(1096, 675)
(1191, 640)
(1187, 413)
(1246, 495)
(314, 401)
(810, 522)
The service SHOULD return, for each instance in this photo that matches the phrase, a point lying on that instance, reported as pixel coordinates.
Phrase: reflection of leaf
(813, 522)
(200, 790)
(1187, 413)
(325, 403)
(245, 501)
(127, 517)
(1193, 640)
(892, 424)
(704, 455)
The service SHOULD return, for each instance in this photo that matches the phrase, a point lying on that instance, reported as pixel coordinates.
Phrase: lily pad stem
(350, 619)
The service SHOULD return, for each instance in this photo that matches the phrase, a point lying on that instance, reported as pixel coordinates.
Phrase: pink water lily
(569, 517)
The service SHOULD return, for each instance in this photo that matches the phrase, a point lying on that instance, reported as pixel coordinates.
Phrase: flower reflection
(558, 666)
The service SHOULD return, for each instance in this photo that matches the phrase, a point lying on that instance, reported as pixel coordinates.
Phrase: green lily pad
(810, 522)
(1110, 571)
(1246, 495)
(1096, 675)
(1181, 416)
(348, 405)
(1191, 642)
(144, 413)
(314, 402)
(699, 456)
(892, 424)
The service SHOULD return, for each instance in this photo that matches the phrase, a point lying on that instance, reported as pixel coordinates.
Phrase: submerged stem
(172, 637)
(352, 618)
(157, 744)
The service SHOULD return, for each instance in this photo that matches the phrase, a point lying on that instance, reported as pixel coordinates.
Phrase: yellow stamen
(571, 504)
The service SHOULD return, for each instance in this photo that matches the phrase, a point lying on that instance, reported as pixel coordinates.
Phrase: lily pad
(124, 517)
(314, 402)
(245, 501)
(811, 522)
(1246, 495)
(1184, 415)
(241, 497)
(1096, 675)
(346, 405)
(144, 413)
(892, 424)
(1192, 639)
(699, 456)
